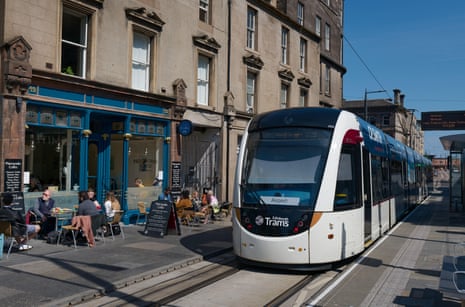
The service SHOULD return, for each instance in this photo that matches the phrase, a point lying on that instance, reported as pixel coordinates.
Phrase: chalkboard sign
(158, 218)
(13, 175)
(18, 201)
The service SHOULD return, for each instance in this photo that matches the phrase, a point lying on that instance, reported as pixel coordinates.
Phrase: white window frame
(82, 45)
(251, 28)
(303, 55)
(300, 13)
(284, 95)
(251, 89)
(284, 45)
(141, 50)
(204, 10)
(327, 37)
(203, 79)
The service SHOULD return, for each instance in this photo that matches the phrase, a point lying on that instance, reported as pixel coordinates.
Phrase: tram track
(219, 281)
(166, 288)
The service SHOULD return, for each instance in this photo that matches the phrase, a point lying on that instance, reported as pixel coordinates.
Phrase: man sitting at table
(43, 210)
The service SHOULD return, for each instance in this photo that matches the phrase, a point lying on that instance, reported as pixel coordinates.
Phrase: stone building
(392, 117)
(98, 93)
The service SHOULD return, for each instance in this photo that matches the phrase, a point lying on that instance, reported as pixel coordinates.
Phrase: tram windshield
(284, 166)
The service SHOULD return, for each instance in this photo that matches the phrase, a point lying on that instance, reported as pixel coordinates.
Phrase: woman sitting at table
(111, 206)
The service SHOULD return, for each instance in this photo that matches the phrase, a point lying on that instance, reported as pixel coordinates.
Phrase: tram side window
(380, 175)
(397, 186)
(346, 196)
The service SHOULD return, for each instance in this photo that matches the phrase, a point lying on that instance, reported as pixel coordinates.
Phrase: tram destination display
(446, 120)
(158, 218)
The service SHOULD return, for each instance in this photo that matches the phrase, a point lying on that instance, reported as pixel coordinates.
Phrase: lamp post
(412, 114)
(365, 100)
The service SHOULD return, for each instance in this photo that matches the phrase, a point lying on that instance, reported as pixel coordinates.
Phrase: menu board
(158, 218)
(13, 174)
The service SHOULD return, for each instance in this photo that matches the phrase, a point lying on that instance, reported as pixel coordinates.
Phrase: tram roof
(455, 142)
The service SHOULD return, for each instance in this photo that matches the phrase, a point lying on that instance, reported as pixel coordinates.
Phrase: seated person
(86, 206)
(43, 210)
(19, 227)
(184, 206)
(111, 206)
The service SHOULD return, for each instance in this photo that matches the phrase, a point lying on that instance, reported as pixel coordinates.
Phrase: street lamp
(365, 100)
(412, 114)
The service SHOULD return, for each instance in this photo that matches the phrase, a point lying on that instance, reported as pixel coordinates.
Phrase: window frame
(251, 28)
(82, 46)
(318, 25)
(303, 55)
(204, 11)
(327, 81)
(148, 40)
(303, 97)
(284, 95)
(327, 40)
(251, 95)
(284, 45)
(300, 13)
(205, 87)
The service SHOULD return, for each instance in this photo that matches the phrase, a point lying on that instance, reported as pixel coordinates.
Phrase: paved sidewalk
(50, 275)
(405, 269)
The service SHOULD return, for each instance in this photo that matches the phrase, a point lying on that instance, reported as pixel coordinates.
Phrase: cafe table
(63, 216)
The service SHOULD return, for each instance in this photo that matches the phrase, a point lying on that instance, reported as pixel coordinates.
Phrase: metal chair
(70, 228)
(142, 212)
(116, 221)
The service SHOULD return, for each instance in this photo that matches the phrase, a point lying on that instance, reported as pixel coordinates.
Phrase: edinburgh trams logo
(275, 221)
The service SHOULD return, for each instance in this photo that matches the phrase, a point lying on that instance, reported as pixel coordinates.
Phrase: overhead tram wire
(366, 66)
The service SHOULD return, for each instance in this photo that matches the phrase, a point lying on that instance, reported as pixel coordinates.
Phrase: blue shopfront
(76, 140)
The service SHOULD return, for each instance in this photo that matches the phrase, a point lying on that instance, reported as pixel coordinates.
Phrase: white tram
(315, 186)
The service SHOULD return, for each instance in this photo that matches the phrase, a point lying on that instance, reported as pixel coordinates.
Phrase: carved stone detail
(148, 19)
(179, 89)
(286, 74)
(306, 82)
(253, 61)
(17, 70)
(207, 43)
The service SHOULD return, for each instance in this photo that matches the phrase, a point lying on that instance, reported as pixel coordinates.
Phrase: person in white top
(111, 205)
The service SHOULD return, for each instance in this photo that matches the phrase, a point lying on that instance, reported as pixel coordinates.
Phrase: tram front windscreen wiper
(247, 189)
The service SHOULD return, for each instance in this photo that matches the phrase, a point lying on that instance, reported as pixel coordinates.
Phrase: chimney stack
(396, 96)
(402, 97)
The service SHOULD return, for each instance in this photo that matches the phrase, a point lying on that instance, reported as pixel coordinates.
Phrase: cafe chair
(116, 222)
(142, 212)
(68, 228)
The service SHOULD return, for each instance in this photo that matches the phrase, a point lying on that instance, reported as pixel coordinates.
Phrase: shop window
(47, 150)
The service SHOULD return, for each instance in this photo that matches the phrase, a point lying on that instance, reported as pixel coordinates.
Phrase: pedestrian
(21, 231)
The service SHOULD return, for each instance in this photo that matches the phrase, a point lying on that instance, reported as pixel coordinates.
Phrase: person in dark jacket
(86, 206)
(43, 210)
(21, 231)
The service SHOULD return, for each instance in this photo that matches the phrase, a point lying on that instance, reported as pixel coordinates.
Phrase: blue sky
(415, 46)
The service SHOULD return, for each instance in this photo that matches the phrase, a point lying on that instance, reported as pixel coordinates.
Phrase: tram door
(367, 194)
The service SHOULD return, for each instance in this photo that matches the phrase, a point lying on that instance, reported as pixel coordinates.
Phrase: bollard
(1, 245)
